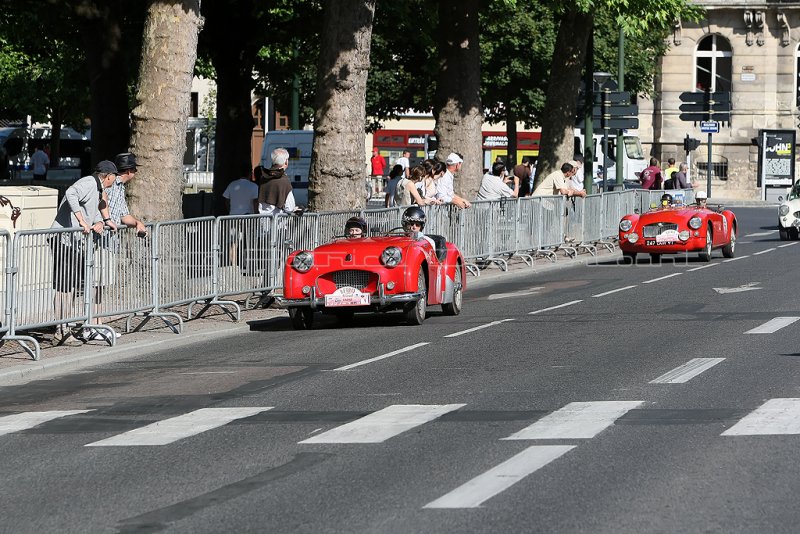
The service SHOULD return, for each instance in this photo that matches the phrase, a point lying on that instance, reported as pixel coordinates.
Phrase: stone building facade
(749, 48)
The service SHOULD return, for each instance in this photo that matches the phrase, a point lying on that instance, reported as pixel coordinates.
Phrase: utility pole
(621, 87)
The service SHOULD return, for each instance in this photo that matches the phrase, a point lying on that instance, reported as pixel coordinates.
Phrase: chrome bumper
(379, 300)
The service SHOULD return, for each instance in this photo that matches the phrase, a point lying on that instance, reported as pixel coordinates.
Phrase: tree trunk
(169, 51)
(558, 124)
(457, 105)
(108, 82)
(338, 160)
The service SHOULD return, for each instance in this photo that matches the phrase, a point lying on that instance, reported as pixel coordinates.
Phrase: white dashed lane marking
(613, 291)
(501, 477)
(761, 234)
(379, 426)
(787, 245)
(773, 325)
(763, 251)
(175, 428)
(576, 420)
(703, 267)
(555, 307)
(481, 327)
(687, 371)
(26, 420)
(662, 278)
(776, 416)
(381, 357)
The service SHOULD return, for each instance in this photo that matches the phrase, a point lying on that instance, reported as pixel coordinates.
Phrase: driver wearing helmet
(702, 198)
(355, 227)
(666, 200)
(414, 222)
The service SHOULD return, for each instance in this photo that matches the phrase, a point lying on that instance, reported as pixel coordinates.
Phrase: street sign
(709, 127)
(620, 123)
(617, 97)
(697, 97)
(616, 111)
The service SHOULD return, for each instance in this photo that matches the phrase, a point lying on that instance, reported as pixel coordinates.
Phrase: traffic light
(690, 144)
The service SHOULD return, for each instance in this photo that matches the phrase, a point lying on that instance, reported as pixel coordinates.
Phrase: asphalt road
(602, 398)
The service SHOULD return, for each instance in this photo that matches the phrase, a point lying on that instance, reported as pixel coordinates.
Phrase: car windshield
(633, 147)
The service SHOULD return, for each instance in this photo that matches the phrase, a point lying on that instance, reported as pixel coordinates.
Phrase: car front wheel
(302, 318)
(730, 249)
(415, 313)
(454, 307)
(783, 233)
(706, 254)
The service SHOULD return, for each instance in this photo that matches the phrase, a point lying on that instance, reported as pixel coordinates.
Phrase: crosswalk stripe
(773, 325)
(26, 420)
(384, 424)
(175, 428)
(576, 420)
(776, 416)
(687, 371)
(501, 477)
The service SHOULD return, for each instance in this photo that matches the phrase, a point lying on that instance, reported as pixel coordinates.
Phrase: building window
(713, 64)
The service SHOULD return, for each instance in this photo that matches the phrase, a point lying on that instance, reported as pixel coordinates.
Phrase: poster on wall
(777, 157)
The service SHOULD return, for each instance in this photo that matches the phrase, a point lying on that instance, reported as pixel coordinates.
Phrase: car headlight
(695, 223)
(303, 261)
(625, 225)
(783, 210)
(391, 257)
(633, 237)
(684, 235)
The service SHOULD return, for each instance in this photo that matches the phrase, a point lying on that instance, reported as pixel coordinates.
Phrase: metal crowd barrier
(64, 278)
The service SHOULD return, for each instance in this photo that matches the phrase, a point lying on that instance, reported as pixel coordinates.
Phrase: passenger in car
(355, 227)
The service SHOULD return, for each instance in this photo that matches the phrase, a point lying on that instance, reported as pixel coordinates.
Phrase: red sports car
(377, 274)
(676, 230)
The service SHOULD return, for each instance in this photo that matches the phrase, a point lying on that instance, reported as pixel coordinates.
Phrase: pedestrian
(670, 170)
(555, 183)
(405, 162)
(494, 185)
(378, 169)
(650, 178)
(434, 171)
(395, 175)
(524, 173)
(40, 163)
(407, 192)
(84, 206)
(241, 195)
(117, 202)
(444, 188)
(576, 181)
(679, 179)
(275, 194)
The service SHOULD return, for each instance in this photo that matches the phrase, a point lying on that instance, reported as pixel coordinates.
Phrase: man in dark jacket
(275, 194)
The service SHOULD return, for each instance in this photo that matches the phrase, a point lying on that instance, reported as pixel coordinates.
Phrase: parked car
(789, 214)
(393, 271)
(670, 229)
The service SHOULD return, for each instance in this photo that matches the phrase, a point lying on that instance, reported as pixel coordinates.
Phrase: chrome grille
(351, 278)
(652, 230)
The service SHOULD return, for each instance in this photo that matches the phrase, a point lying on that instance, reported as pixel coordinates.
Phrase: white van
(298, 143)
(634, 160)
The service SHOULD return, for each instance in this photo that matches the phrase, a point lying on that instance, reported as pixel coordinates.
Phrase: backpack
(399, 192)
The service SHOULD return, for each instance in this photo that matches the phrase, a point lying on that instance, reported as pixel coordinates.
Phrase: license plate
(347, 296)
(652, 243)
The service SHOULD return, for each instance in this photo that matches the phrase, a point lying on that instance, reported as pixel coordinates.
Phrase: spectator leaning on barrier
(555, 183)
(84, 206)
(525, 175)
(494, 186)
(576, 181)
(444, 188)
(275, 194)
(117, 202)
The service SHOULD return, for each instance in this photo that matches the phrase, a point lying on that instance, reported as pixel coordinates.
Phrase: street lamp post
(600, 78)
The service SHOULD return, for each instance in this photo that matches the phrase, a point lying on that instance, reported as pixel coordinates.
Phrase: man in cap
(117, 203)
(84, 206)
(702, 199)
(444, 187)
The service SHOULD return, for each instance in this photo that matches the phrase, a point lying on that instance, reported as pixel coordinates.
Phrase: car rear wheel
(706, 254)
(784, 233)
(793, 234)
(415, 313)
(302, 318)
(730, 249)
(454, 307)
(629, 258)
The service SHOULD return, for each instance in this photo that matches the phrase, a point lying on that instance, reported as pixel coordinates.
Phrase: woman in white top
(407, 192)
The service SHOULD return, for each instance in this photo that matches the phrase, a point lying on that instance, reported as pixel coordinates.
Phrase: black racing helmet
(666, 199)
(356, 222)
(125, 161)
(413, 214)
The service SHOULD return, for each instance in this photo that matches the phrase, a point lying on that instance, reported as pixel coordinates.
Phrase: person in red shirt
(378, 164)
(651, 176)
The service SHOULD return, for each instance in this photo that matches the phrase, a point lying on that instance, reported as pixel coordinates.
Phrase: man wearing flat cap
(117, 203)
